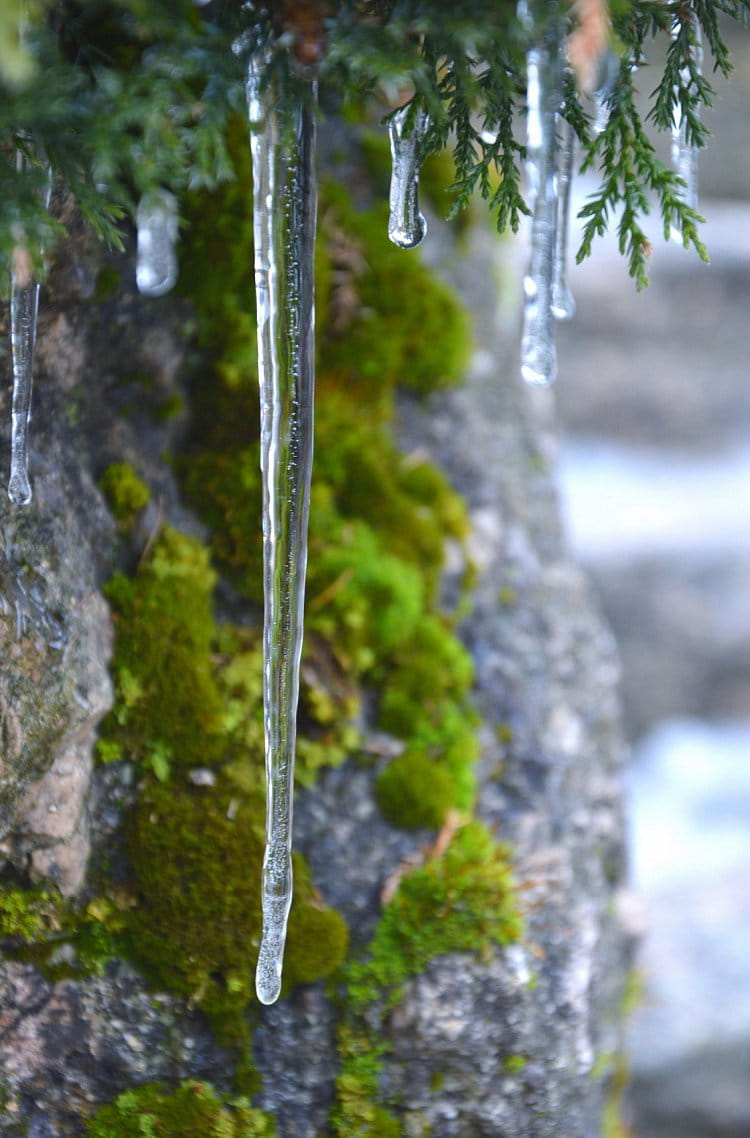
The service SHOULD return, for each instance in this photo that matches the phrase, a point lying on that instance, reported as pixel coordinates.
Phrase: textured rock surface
(668, 370)
(546, 673)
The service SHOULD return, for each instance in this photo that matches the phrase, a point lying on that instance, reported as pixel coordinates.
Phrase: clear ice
(284, 210)
(406, 225)
(608, 72)
(544, 97)
(684, 155)
(24, 308)
(563, 304)
(156, 258)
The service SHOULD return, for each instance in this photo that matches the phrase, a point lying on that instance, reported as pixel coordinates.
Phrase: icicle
(563, 304)
(284, 206)
(685, 155)
(156, 260)
(406, 225)
(544, 96)
(608, 72)
(24, 307)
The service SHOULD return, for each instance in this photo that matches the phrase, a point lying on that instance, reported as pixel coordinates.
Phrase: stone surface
(653, 399)
(68, 1046)
(550, 768)
(546, 678)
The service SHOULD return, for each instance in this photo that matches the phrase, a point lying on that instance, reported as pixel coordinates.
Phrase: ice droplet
(156, 259)
(684, 154)
(284, 212)
(544, 96)
(406, 225)
(563, 304)
(24, 308)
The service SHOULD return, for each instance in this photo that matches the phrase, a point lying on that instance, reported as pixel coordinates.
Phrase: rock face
(515, 1043)
(654, 406)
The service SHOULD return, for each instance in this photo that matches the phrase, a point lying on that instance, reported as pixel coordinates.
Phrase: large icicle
(684, 154)
(406, 225)
(24, 307)
(563, 304)
(544, 96)
(284, 206)
(156, 258)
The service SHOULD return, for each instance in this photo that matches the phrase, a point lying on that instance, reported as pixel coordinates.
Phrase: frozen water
(406, 226)
(156, 259)
(284, 211)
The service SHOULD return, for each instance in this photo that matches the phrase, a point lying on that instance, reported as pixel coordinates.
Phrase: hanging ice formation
(544, 67)
(563, 304)
(684, 153)
(24, 307)
(281, 114)
(608, 72)
(406, 225)
(156, 259)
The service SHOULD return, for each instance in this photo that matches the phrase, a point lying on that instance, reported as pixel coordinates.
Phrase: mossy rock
(126, 492)
(197, 856)
(167, 705)
(193, 1110)
(408, 328)
(463, 901)
(415, 791)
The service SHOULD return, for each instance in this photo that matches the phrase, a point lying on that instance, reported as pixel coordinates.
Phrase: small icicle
(156, 259)
(284, 210)
(406, 225)
(684, 155)
(544, 96)
(608, 72)
(24, 308)
(563, 304)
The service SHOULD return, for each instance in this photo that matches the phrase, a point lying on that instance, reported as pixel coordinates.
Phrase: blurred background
(653, 396)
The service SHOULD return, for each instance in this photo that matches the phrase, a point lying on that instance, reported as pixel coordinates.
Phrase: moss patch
(193, 1110)
(463, 901)
(125, 491)
(197, 856)
(189, 712)
(167, 706)
(414, 791)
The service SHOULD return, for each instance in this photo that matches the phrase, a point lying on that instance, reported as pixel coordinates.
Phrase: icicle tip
(19, 488)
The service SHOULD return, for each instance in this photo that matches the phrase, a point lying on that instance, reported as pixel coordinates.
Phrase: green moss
(408, 328)
(36, 923)
(167, 704)
(25, 913)
(197, 855)
(193, 1110)
(414, 791)
(463, 901)
(318, 940)
(514, 1064)
(125, 491)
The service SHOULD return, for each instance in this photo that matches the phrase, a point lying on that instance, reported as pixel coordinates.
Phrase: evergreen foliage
(124, 97)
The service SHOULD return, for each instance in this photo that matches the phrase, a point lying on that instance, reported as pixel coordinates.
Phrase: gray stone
(549, 773)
